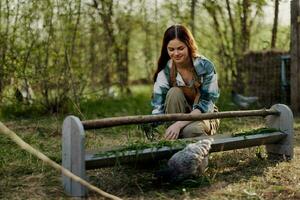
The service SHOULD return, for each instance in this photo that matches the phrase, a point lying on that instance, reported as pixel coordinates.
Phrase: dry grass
(235, 174)
(238, 174)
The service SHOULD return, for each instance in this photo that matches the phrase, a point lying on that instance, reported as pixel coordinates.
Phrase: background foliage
(238, 174)
(73, 50)
(90, 57)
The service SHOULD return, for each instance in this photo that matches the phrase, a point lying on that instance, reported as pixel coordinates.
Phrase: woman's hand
(173, 131)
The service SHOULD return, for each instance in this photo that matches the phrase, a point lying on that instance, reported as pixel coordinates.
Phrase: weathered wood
(73, 155)
(295, 55)
(117, 121)
(75, 159)
(284, 123)
(220, 143)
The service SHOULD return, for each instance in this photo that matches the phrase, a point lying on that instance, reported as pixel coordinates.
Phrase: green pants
(177, 103)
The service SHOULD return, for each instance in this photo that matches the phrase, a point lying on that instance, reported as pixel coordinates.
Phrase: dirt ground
(238, 174)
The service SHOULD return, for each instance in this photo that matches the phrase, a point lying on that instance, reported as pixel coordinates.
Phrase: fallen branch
(6, 131)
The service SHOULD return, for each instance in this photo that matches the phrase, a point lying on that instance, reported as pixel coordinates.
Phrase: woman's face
(178, 51)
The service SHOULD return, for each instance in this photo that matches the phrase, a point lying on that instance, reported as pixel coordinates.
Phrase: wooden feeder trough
(279, 117)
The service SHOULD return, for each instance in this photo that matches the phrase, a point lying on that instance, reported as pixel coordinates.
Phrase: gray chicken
(189, 162)
(242, 101)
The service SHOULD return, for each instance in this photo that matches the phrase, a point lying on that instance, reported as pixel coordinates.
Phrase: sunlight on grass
(237, 174)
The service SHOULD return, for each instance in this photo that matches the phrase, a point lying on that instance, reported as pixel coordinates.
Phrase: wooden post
(283, 122)
(295, 55)
(73, 155)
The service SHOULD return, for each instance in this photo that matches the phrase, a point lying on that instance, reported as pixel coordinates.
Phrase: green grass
(237, 174)
(263, 130)
(140, 145)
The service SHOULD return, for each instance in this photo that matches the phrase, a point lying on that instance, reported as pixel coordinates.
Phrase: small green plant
(255, 131)
(141, 145)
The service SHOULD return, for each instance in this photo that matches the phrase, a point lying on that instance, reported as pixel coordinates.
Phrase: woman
(184, 83)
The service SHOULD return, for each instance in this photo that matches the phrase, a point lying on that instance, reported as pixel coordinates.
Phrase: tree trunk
(275, 24)
(106, 14)
(234, 50)
(157, 43)
(70, 64)
(147, 49)
(245, 25)
(192, 23)
(224, 52)
(295, 55)
(3, 49)
(244, 9)
(43, 68)
(92, 53)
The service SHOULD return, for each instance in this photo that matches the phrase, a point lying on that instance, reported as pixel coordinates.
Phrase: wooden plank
(220, 143)
(73, 155)
(283, 122)
(66, 153)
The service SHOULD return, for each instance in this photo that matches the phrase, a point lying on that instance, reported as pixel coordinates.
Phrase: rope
(6, 131)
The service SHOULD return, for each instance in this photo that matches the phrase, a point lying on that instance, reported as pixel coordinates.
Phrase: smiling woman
(185, 82)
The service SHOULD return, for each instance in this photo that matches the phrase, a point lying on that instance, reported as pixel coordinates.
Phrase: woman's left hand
(173, 131)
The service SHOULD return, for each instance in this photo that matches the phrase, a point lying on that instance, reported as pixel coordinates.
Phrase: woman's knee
(194, 129)
(174, 93)
(176, 102)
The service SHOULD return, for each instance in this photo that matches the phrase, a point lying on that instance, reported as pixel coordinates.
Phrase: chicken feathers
(191, 161)
(242, 101)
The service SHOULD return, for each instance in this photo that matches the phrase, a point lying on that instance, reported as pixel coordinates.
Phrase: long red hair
(181, 33)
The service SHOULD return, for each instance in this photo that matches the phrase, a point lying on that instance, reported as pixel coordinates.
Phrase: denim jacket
(209, 89)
